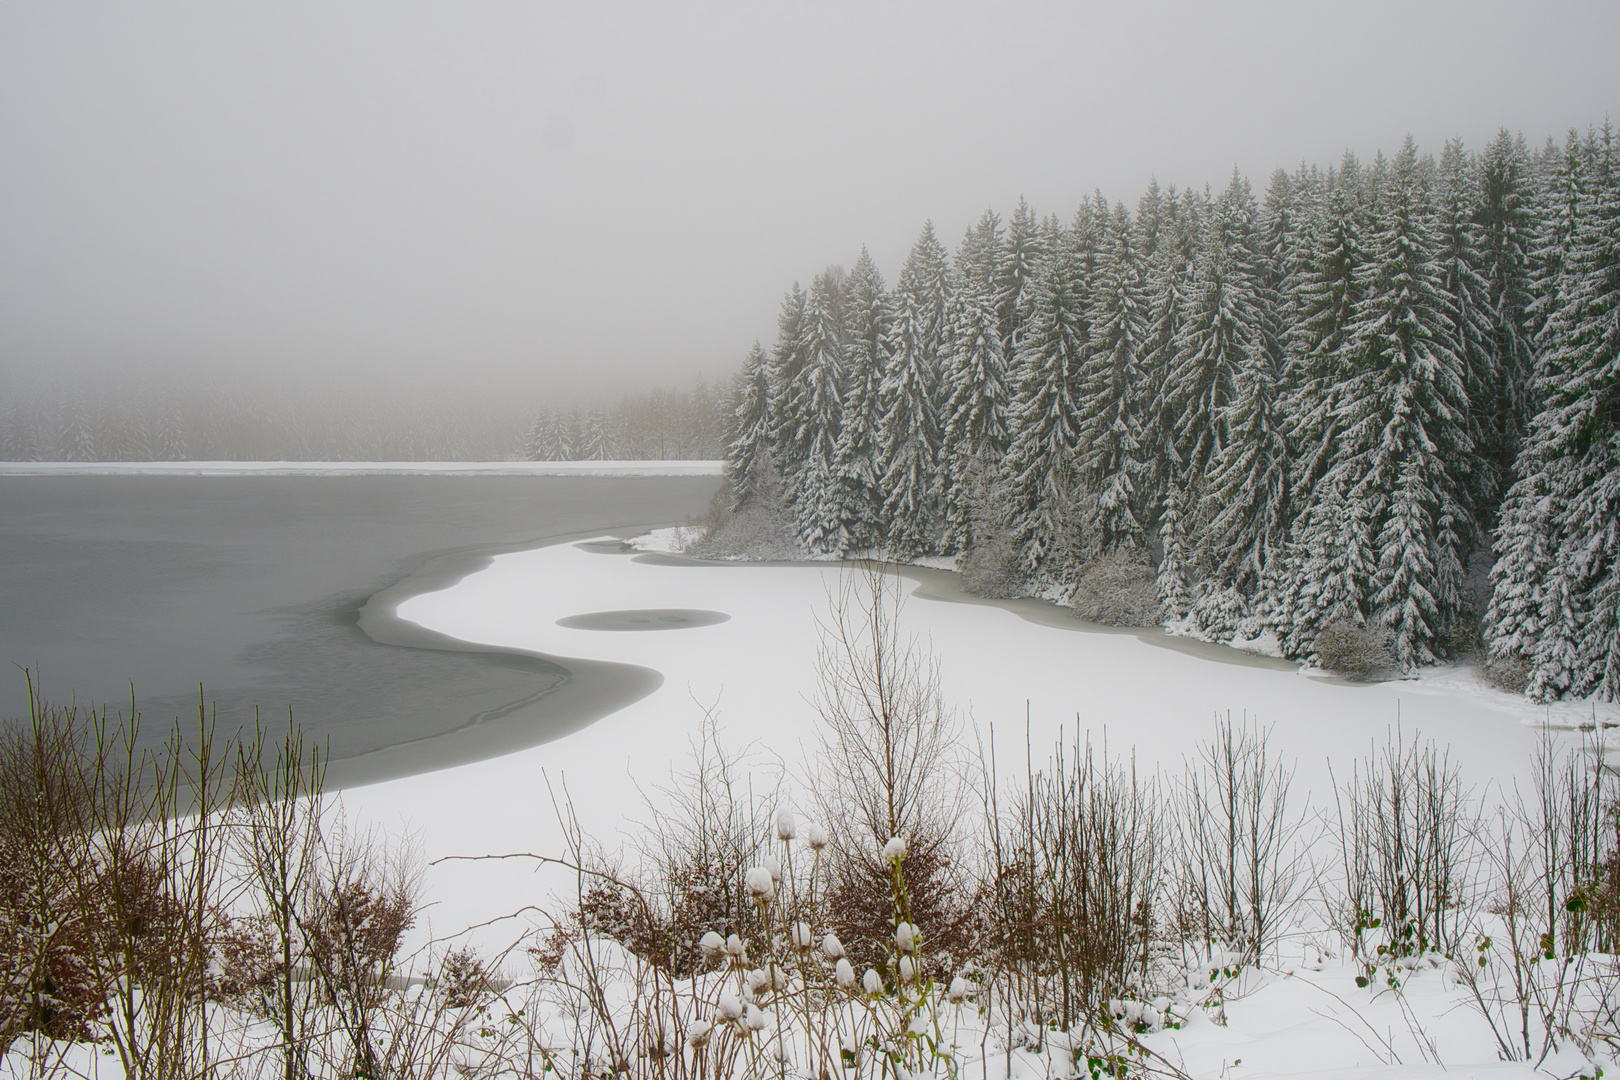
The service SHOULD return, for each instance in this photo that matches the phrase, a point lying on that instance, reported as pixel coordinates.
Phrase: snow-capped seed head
(905, 937)
(816, 837)
(894, 850)
(712, 944)
(731, 1007)
(779, 977)
(908, 969)
(753, 1018)
(770, 863)
(844, 973)
(958, 991)
(872, 982)
(734, 946)
(697, 1034)
(786, 827)
(831, 947)
(803, 938)
(761, 883)
(757, 981)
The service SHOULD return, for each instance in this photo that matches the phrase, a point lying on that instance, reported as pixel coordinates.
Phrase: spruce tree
(1564, 610)
(1222, 326)
(1402, 458)
(857, 469)
(1506, 241)
(1113, 391)
(1041, 464)
(910, 435)
(814, 399)
(748, 455)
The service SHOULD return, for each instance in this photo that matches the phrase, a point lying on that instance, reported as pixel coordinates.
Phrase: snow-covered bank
(757, 669)
(362, 468)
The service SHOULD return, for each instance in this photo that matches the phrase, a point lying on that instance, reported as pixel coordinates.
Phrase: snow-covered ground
(362, 468)
(1018, 682)
(756, 669)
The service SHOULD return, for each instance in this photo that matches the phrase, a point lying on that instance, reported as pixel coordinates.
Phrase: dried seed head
(786, 827)
(894, 850)
(712, 944)
(761, 883)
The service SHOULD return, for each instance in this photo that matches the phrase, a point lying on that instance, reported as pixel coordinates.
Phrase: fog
(579, 198)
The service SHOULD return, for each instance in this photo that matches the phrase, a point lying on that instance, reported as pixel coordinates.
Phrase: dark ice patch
(643, 619)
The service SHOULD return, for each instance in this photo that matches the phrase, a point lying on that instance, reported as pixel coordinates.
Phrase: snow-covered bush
(761, 530)
(1509, 671)
(1117, 589)
(1353, 650)
(989, 568)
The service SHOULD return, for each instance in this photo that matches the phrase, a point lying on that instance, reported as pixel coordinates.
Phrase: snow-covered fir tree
(910, 437)
(1557, 580)
(856, 471)
(1306, 409)
(1114, 399)
(1043, 451)
(748, 454)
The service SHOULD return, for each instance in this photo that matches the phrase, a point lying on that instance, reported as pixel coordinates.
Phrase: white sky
(598, 196)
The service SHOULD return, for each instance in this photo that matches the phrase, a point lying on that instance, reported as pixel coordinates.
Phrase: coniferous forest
(1378, 396)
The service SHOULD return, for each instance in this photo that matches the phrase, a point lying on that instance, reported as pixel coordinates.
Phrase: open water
(277, 593)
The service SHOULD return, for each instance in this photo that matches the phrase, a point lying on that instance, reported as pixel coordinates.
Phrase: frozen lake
(253, 587)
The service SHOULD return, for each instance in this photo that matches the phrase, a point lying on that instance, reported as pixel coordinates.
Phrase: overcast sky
(596, 196)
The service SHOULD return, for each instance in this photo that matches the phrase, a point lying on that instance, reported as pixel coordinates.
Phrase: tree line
(1382, 394)
(186, 420)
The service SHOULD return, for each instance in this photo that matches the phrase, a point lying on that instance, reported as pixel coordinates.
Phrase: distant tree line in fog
(656, 425)
(65, 420)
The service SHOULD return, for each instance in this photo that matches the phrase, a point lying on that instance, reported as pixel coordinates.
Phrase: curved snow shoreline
(1018, 683)
(581, 691)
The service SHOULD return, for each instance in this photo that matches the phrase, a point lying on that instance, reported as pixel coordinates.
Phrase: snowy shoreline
(362, 468)
(1018, 683)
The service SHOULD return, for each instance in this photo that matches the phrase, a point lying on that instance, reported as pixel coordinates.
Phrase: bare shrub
(755, 528)
(1117, 589)
(888, 767)
(46, 984)
(361, 899)
(1353, 650)
(989, 568)
(1543, 970)
(1509, 671)
(1409, 861)
(760, 531)
(1239, 851)
(1076, 888)
(989, 562)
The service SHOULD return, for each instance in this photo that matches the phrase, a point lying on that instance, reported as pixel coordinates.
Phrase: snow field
(1017, 684)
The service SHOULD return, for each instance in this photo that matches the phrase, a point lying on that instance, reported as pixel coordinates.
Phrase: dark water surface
(255, 586)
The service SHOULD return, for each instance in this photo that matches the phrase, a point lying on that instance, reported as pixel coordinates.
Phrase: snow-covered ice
(757, 671)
